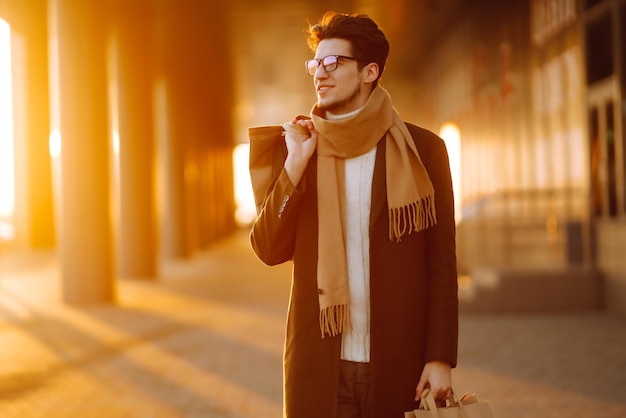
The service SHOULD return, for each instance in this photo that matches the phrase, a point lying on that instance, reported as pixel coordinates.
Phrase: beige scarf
(410, 194)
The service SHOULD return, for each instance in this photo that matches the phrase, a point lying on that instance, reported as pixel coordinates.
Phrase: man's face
(342, 90)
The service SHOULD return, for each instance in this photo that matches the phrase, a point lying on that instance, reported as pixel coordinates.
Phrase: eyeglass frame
(321, 64)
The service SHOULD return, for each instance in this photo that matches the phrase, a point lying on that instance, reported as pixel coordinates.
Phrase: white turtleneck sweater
(358, 174)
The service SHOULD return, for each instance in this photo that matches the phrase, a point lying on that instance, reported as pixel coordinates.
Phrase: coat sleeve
(442, 325)
(273, 232)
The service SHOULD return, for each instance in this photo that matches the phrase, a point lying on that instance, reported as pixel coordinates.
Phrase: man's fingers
(296, 129)
(441, 393)
(420, 388)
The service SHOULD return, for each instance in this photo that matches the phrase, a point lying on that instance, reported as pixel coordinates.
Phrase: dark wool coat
(413, 285)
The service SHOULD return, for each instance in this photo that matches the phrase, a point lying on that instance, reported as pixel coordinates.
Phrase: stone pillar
(215, 121)
(223, 190)
(39, 186)
(78, 105)
(33, 210)
(173, 73)
(137, 237)
(195, 74)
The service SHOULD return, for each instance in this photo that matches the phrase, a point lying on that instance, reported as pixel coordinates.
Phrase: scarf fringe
(335, 319)
(414, 217)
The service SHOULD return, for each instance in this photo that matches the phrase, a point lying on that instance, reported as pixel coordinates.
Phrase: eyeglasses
(329, 63)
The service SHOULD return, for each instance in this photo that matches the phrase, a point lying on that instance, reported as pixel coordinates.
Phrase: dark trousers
(354, 385)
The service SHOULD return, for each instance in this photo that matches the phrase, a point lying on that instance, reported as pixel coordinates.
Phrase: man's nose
(321, 72)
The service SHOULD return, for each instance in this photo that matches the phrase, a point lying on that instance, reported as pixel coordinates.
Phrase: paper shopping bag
(468, 406)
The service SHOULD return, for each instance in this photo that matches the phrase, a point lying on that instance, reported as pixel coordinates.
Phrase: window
(604, 160)
(611, 160)
(599, 49)
(590, 3)
(550, 17)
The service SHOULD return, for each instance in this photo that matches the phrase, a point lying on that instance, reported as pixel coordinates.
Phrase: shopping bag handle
(429, 400)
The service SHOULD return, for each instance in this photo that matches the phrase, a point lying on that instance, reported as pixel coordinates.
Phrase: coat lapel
(379, 186)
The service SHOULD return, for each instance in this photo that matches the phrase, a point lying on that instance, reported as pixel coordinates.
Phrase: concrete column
(78, 105)
(173, 71)
(137, 237)
(195, 66)
(225, 191)
(217, 220)
(33, 209)
(207, 204)
(39, 186)
(215, 115)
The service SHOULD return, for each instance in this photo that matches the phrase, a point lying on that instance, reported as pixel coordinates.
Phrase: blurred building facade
(532, 92)
(537, 90)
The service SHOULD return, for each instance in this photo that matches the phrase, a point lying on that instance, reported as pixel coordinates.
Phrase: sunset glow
(244, 198)
(7, 163)
(451, 135)
(54, 144)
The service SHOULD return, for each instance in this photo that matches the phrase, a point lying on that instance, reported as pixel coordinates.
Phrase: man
(373, 312)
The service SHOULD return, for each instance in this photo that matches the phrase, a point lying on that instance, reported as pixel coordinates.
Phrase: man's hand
(438, 376)
(301, 140)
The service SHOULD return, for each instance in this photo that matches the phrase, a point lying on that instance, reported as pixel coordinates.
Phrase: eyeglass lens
(329, 63)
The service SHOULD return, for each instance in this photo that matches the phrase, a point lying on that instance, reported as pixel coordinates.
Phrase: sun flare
(451, 135)
(7, 169)
(244, 198)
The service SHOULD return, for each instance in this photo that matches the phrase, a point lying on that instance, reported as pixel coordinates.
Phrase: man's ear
(370, 72)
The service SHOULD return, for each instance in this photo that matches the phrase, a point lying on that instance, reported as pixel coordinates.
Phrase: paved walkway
(206, 341)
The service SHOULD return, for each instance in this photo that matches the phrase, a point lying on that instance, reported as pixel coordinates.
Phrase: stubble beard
(341, 103)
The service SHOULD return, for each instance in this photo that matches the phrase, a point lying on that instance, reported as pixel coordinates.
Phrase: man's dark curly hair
(368, 41)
